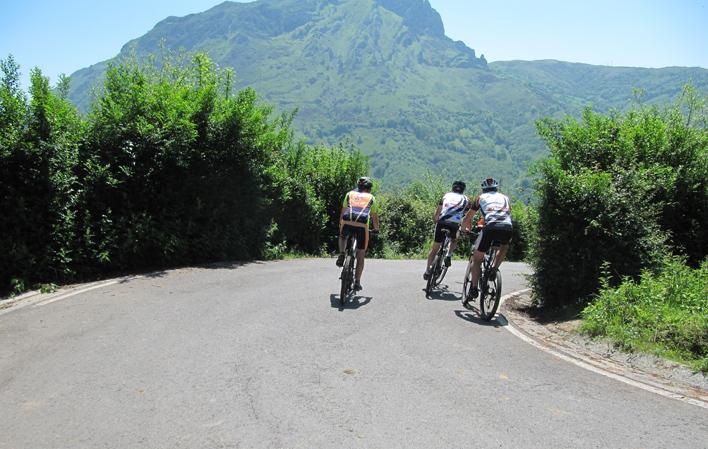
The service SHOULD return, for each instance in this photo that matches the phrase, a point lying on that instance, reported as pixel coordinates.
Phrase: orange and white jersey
(358, 207)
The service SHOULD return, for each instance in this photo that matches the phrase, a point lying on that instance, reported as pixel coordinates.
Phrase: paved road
(260, 356)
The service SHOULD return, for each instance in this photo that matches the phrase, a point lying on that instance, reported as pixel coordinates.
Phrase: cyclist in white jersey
(449, 215)
(496, 211)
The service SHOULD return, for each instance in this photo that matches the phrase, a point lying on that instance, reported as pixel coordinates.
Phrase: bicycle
(348, 275)
(439, 269)
(489, 286)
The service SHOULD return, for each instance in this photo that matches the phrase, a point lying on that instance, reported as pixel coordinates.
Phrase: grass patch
(664, 314)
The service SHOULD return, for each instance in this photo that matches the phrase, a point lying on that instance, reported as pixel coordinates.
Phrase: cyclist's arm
(344, 208)
(437, 213)
(467, 221)
(375, 219)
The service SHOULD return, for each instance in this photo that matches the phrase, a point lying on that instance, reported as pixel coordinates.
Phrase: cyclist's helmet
(364, 183)
(458, 186)
(489, 184)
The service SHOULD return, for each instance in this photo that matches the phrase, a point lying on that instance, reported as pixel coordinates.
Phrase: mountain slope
(383, 74)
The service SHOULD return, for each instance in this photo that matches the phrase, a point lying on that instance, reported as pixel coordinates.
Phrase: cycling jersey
(454, 206)
(494, 206)
(358, 207)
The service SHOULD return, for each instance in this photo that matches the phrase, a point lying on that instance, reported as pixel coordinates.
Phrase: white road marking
(36, 299)
(596, 369)
(74, 293)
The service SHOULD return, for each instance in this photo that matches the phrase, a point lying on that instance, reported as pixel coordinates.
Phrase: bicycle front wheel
(490, 295)
(467, 286)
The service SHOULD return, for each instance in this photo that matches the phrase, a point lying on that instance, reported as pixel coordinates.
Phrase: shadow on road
(472, 316)
(352, 304)
(442, 293)
(159, 273)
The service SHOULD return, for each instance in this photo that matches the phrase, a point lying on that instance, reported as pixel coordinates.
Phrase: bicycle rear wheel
(434, 273)
(444, 250)
(346, 281)
(348, 272)
(347, 278)
(431, 276)
(490, 295)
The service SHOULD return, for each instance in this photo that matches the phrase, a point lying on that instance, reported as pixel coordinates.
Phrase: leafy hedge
(666, 314)
(619, 192)
(170, 167)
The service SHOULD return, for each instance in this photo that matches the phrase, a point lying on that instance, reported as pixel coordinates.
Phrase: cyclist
(358, 208)
(452, 209)
(496, 212)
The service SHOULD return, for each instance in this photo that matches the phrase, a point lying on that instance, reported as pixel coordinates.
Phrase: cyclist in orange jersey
(358, 209)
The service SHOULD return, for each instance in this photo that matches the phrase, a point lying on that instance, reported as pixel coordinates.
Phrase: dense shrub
(665, 314)
(523, 217)
(170, 167)
(311, 185)
(177, 167)
(39, 144)
(619, 191)
(407, 219)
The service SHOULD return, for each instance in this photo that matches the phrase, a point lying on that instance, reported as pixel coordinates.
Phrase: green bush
(619, 191)
(177, 167)
(39, 191)
(666, 314)
(171, 167)
(311, 185)
(523, 217)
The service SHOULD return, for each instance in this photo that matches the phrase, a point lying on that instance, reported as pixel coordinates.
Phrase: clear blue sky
(64, 36)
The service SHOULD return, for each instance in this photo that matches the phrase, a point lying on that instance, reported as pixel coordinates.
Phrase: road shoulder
(562, 338)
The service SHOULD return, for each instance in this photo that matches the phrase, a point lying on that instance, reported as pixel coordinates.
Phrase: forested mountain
(382, 74)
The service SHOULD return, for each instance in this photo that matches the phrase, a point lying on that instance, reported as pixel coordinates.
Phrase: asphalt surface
(261, 356)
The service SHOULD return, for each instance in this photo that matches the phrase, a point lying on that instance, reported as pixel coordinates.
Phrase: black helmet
(459, 186)
(490, 184)
(364, 183)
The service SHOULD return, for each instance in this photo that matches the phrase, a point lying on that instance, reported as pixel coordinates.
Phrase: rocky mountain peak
(418, 15)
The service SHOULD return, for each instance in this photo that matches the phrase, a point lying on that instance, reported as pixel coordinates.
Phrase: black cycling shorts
(494, 232)
(452, 227)
(361, 233)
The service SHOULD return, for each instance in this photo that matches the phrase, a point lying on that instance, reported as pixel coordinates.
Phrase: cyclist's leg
(501, 254)
(438, 238)
(453, 245)
(431, 255)
(363, 237)
(454, 230)
(503, 235)
(343, 235)
(477, 259)
(360, 256)
(484, 241)
(342, 243)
